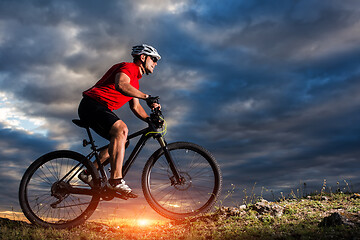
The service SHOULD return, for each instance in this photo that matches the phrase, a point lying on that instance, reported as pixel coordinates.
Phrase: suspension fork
(169, 159)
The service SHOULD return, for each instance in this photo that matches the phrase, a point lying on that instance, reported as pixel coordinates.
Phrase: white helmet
(145, 49)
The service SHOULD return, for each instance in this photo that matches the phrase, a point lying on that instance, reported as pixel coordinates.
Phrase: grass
(297, 218)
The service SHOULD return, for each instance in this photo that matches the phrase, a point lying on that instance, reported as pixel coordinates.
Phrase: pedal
(118, 195)
(126, 196)
(132, 195)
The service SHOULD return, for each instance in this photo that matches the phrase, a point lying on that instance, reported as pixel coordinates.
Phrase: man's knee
(119, 129)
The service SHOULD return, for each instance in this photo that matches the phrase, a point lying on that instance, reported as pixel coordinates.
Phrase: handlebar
(156, 117)
(151, 100)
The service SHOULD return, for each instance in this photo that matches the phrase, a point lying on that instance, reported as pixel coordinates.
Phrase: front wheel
(44, 193)
(200, 181)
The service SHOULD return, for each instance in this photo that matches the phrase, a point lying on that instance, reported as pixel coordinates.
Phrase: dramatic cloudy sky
(271, 88)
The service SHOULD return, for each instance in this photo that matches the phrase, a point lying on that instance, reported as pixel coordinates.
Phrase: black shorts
(99, 117)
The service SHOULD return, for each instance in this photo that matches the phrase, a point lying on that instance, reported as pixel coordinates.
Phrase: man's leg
(116, 153)
(118, 133)
(85, 175)
(103, 155)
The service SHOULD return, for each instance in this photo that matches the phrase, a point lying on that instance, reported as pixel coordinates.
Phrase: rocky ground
(330, 217)
(334, 216)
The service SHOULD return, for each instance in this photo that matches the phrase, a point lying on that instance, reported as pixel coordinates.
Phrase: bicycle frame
(55, 190)
(146, 134)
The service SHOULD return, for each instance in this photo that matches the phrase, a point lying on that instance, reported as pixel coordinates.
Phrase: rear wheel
(200, 181)
(44, 190)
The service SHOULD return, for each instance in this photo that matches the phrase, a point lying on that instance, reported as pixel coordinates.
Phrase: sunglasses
(154, 59)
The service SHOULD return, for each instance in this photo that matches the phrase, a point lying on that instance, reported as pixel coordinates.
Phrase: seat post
(86, 125)
(92, 142)
(97, 158)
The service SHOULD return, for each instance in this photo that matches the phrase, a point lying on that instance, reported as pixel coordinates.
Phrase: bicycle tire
(198, 194)
(38, 194)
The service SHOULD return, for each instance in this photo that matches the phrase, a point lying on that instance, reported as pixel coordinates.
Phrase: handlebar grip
(151, 100)
(157, 110)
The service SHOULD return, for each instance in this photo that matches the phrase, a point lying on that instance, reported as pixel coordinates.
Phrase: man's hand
(153, 102)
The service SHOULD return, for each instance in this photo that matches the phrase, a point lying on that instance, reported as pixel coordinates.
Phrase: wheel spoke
(45, 195)
(198, 190)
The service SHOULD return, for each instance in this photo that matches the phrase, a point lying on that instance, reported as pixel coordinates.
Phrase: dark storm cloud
(18, 149)
(289, 105)
(39, 40)
(271, 88)
(13, 141)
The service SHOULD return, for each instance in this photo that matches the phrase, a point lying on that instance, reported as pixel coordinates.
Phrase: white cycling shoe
(120, 187)
(86, 178)
(123, 189)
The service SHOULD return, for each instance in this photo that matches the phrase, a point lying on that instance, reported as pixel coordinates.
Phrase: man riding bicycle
(119, 85)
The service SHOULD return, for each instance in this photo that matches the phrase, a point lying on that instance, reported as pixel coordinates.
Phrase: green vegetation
(332, 216)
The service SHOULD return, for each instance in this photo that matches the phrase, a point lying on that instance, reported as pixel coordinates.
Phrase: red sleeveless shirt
(104, 90)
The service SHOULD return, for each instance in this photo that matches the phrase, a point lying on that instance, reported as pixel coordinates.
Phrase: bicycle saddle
(81, 123)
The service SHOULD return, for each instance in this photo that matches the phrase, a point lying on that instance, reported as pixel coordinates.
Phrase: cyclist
(119, 85)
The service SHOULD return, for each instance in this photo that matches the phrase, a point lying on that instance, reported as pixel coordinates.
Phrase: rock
(264, 207)
(324, 198)
(234, 212)
(230, 211)
(355, 196)
(242, 207)
(335, 219)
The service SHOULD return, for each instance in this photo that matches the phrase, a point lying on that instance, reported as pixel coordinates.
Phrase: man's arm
(122, 84)
(137, 109)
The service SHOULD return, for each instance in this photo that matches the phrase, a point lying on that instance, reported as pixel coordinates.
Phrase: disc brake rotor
(185, 182)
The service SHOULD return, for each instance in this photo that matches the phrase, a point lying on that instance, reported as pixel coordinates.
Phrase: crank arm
(125, 196)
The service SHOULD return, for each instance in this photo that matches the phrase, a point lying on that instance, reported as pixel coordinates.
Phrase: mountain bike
(179, 180)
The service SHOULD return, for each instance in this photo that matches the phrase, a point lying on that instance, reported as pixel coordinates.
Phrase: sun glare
(143, 222)
(174, 205)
